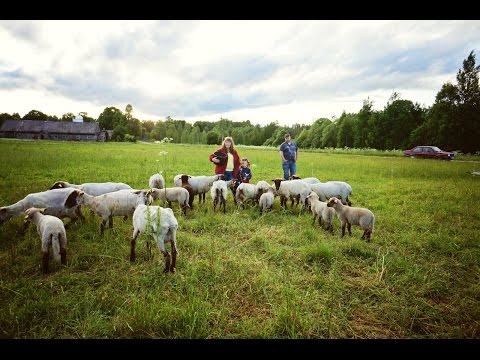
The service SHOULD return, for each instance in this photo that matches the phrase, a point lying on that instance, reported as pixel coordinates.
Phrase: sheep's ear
(42, 210)
(72, 198)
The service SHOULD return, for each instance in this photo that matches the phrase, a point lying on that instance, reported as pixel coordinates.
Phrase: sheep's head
(30, 213)
(4, 215)
(332, 201)
(58, 185)
(277, 182)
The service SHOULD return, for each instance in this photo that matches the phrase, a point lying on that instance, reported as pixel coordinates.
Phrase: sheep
(309, 180)
(94, 189)
(162, 225)
(186, 185)
(200, 184)
(245, 192)
(266, 200)
(52, 232)
(170, 195)
(290, 189)
(333, 189)
(320, 209)
(353, 216)
(219, 192)
(260, 188)
(118, 203)
(156, 181)
(59, 202)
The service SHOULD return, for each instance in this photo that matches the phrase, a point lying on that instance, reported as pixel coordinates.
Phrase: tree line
(452, 123)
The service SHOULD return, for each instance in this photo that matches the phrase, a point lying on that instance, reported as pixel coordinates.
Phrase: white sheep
(59, 202)
(117, 203)
(52, 232)
(200, 184)
(93, 189)
(266, 200)
(174, 194)
(162, 225)
(353, 216)
(156, 181)
(260, 188)
(245, 192)
(333, 189)
(219, 193)
(320, 209)
(292, 189)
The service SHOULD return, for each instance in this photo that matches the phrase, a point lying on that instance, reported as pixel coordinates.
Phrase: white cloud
(262, 71)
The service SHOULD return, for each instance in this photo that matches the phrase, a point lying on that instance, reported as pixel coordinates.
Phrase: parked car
(429, 152)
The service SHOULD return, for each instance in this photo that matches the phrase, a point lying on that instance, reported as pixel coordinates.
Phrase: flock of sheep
(46, 209)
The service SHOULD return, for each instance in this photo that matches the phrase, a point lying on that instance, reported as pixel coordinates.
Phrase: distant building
(53, 130)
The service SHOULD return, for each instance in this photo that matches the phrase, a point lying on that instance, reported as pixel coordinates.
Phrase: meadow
(242, 274)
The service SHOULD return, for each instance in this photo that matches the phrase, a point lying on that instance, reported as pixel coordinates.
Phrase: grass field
(242, 275)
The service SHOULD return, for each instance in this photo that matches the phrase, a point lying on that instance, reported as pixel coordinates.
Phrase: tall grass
(242, 275)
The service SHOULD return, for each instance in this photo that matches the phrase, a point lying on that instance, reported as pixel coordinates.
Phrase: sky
(290, 72)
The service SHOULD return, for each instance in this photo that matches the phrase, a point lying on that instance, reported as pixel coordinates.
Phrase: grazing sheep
(309, 180)
(266, 200)
(353, 216)
(52, 232)
(162, 225)
(219, 192)
(118, 203)
(186, 185)
(291, 189)
(330, 189)
(93, 189)
(59, 202)
(175, 194)
(200, 184)
(320, 209)
(245, 192)
(260, 188)
(156, 181)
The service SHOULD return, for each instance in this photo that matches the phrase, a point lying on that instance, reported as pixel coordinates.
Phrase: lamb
(118, 203)
(260, 188)
(156, 181)
(353, 216)
(59, 202)
(245, 192)
(200, 184)
(219, 192)
(290, 189)
(266, 200)
(52, 232)
(320, 209)
(162, 224)
(93, 189)
(175, 194)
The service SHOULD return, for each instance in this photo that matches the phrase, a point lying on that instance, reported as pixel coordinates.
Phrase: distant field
(242, 275)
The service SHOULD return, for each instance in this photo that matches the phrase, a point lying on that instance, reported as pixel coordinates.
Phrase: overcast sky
(262, 71)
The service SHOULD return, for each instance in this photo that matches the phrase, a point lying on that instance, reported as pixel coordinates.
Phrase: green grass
(242, 275)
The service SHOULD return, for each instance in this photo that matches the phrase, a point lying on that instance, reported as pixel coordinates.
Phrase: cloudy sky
(262, 71)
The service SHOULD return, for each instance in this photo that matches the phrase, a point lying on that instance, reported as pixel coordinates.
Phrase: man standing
(289, 156)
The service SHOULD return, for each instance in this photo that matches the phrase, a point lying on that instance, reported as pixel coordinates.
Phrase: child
(245, 174)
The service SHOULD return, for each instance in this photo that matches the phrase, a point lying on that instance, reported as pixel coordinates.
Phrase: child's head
(245, 162)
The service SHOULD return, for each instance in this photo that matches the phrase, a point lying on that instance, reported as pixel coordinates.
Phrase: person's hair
(248, 162)
(232, 147)
(286, 135)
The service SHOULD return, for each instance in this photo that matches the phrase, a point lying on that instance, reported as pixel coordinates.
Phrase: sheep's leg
(174, 252)
(102, 226)
(319, 220)
(166, 255)
(45, 261)
(149, 249)
(63, 256)
(110, 221)
(314, 217)
(349, 227)
(224, 203)
(132, 244)
(366, 235)
(343, 229)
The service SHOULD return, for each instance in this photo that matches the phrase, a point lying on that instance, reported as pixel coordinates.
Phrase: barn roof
(38, 126)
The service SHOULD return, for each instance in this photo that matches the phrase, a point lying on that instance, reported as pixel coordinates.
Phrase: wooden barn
(53, 130)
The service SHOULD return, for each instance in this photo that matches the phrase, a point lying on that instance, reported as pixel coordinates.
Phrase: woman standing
(226, 159)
